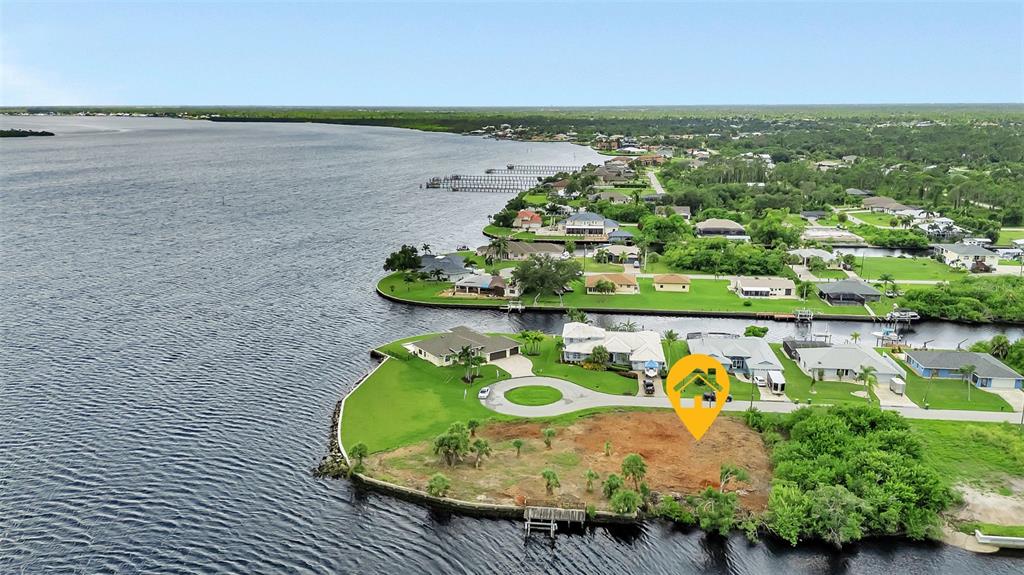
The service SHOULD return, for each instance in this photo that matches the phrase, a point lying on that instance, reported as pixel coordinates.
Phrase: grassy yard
(1007, 236)
(981, 454)
(704, 295)
(830, 274)
(546, 362)
(906, 269)
(949, 393)
(874, 218)
(592, 266)
(525, 236)
(992, 529)
(408, 399)
(798, 385)
(661, 267)
(533, 395)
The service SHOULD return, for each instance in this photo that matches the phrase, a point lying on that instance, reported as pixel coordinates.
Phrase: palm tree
(628, 325)
(471, 425)
(476, 361)
(482, 449)
(591, 476)
(636, 197)
(465, 359)
(518, 444)
(887, 280)
(965, 374)
(499, 247)
(999, 347)
(576, 315)
(867, 375)
(438, 275)
(425, 248)
(633, 466)
(548, 434)
(855, 336)
(599, 355)
(671, 337)
(559, 346)
(550, 480)
(359, 451)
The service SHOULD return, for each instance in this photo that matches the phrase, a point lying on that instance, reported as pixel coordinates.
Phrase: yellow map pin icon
(694, 370)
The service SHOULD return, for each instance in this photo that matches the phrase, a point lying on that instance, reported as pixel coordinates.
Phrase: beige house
(624, 283)
(519, 251)
(766, 287)
(671, 282)
(442, 350)
(966, 256)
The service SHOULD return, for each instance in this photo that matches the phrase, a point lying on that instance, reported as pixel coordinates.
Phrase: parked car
(649, 386)
(760, 380)
(484, 393)
(709, 396)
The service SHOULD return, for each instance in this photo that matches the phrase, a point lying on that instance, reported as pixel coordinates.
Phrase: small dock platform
(546, 519)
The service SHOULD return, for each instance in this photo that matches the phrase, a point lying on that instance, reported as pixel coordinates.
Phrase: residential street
(576, 398)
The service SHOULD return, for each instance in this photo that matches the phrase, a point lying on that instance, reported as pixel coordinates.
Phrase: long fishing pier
(489, 183)
(535, 169)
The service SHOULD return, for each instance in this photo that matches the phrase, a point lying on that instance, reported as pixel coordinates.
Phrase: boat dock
(537, 170)
(546, 519)
(512, 183)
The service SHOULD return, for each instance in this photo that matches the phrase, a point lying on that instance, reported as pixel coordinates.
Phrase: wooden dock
(489, 183)
(535, 169)
(546, 519)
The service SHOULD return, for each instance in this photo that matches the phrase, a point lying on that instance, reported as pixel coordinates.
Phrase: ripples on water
(182, 304)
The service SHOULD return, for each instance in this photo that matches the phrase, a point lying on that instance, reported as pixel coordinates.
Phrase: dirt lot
(988, 507)
(675, 462)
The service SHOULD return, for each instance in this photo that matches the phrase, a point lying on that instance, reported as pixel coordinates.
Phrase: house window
(842, 372)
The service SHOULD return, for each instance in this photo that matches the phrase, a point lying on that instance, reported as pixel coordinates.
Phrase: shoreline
(761, 316)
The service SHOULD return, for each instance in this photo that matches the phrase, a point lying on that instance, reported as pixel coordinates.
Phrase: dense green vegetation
(1011, 353)
(849, 472)
(973, 298)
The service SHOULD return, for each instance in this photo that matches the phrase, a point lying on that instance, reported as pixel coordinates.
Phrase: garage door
(514, 351)
(497, 355)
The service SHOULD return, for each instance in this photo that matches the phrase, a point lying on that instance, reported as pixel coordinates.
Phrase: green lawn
(830, 274)
(408, 399)
(1009, 262)
(991, 529)
(704, 295)
(982, 454)
(948, 393)
(525, 236)
(1007, 236)
(874, 218)
(592, 266)
(661, 267)
(906, 269)
(536, 199)
(546, 362)
(533, 395)
(798, 385)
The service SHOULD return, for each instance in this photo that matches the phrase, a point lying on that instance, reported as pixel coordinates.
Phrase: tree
(499, 247)
(591, 476)
(599, 355)
(570, 246)
(405, 259)
(471, 425)
(465, 358)
(453, 444)
(532, 340)
(604, 286)
(867, 376)
(965, 372)
(438, 485)
(518, 445)
(633, 467)
(625, 501)
(999, 346)
(550, 480)
(636, 197)
(612, 484)
(425, 248)
(855, 336)
(482, 449)
(476, 362)
(437, 274)
(541, 274)
(715, 511)
(628, 326)
(788, 511)
(835, 514)
(548, 434)
(755, 331)
(842, 217)
(607, 448)
(671, 337)
(358, 452)
(729, 472)
(887, 280)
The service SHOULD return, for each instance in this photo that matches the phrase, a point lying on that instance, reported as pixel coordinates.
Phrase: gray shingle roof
(985, 365)
(449, 264)
(966, 249)
(848, 286)
(461, 336)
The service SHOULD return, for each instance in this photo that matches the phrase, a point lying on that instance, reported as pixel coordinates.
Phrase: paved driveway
(516, 365)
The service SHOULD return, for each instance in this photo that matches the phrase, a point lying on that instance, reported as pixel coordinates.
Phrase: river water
(182, 304)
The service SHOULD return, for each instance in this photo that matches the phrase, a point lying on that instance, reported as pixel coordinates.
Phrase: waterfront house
(747, 356)
(941, 229)
(844, 362)
(610, 174)
(443, 349)
(764, 287)
(807, 255)
(988, 371)
(883, 204)
(527, 220)
(634, 349)
(624, 283)
(965, 256)
(519, 251)
(452, 267)
(848, 292)
(681, 211)
(720, 227)
(620, 237)
(671, 282)
(559, 186)
(587, 224)
(493, 285)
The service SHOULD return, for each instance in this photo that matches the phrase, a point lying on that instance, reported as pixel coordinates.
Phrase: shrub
(438, 485)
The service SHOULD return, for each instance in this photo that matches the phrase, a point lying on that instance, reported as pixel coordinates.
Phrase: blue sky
(489, 54)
